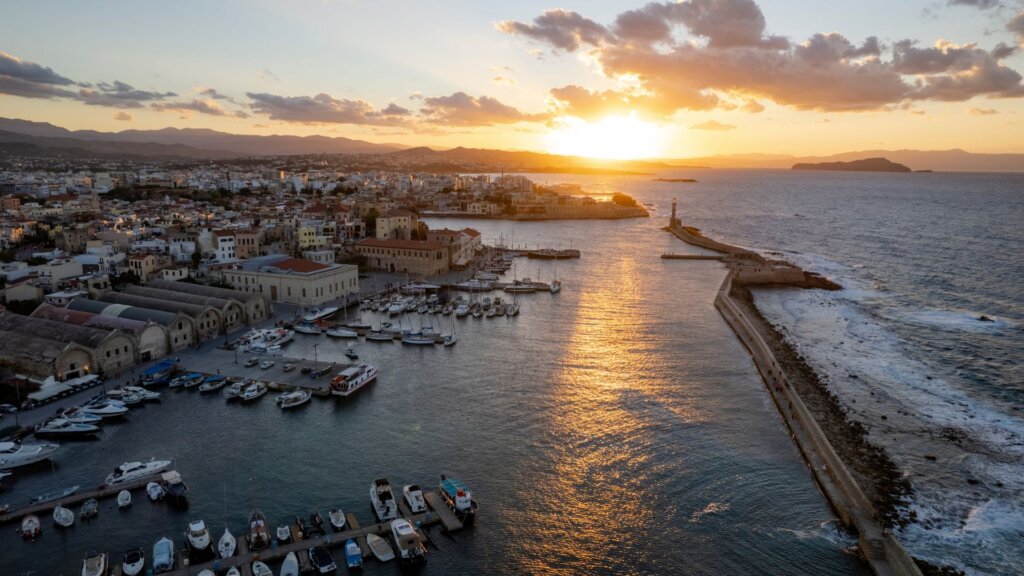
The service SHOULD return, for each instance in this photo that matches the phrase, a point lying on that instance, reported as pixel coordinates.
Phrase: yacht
(305, 328)
(253, 391)
(13, 455)
(63, 517)
(134, 562)
(290, 566)
(95, 564)
(351, 379)
(474, 286)
(163, 555)
(293, 399)
(259, 340)
(320, 314)
(419, 339)
(146, 395)
(382, 500)
(105, 408)
(321, 560)
(259, 534)
(155, 491)
(353, 555)
(76, 416)
(410, 548)
(62, 427)
(338, 332)
(134, 470)
(124, 499)
(227, 544)
(414, 498)
(459, 498)
(380, 548)
(337, 518)
(197, 536)
(520, 286)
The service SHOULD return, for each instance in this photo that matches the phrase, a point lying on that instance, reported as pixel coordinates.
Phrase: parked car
(8, 408)
(266, 364)
(288, 367)
(252, 362)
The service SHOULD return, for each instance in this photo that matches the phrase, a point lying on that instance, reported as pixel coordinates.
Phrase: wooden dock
(244, 558)
(98, 493)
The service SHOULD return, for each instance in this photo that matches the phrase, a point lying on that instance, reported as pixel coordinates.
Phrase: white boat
(410, 548)
(155, 491)
(76, 416)
(146, 395)
(284, 533)
(337, 332)
(212, 385)
(293, 399)
(351, 353)
(419, 339)
(474, 286)
(461, 310)
(261, 569)
(163, 555)
(290, 566)
(57, 427)
(106, 409)
(131, 399)
(485, 276)
(197, 536)
(124, 499)
(337, 518)
(312, 329)
(95, 564)
(512, 309)
(259, 534)
(31, 527)
(382, 500)
(90, 509)
(134, 562)
(63, 517)
(206, 572)
(320, 314)
(227, 544)
(235, 390)
(379, 336)
(13, 455)
(260, 340)
(380, 548)
(556, 286)
(233, 571)
(520, 286)
(321, 560)
(134, 470)
(414, 498)
(351, 379)
(55, 495)
(253, 391)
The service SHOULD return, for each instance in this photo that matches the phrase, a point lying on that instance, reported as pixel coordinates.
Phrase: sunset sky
(617, 79)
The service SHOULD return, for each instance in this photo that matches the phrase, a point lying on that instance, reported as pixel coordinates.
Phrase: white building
(294, 280)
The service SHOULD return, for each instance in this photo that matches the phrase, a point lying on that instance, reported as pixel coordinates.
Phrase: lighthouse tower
(674, 221)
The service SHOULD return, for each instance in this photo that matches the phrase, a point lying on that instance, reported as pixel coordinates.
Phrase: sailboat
(451, 339)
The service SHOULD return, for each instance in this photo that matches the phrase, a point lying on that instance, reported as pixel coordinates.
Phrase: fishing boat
(414, 498)
(90, 509)
(159, 373)
(185, 380)
(63, 517)
(163, 555)
(320, 314)
(134, 562)
(382, 500)
(227, 544)
(410, 547)
(234, 391)
(155, 491)
(51, 496)
(134, 470)
(284, 533)
(351, 379)
(198, 536)
(311, 329)
(321, 560)
(290, 566)
(261, 569)
(61, 427)
(95, 564)
(253, 392)
(337, 518)
(13, 455)
(338, 332)
(459, 498)
(259, 534)
(293, 399)
(353, 555)
(31, 527)
(380, 548)
(212, 383)
(124, 499)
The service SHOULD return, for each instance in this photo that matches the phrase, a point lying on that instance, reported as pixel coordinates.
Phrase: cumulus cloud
(704, 54)
(461, 109)
(30, 80)
(119, 95)
(123, 116)
(209, 107)
(713, 126)
(323, 109)
(1016, 25)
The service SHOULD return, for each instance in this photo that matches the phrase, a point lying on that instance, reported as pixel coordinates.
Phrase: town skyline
(627, 80)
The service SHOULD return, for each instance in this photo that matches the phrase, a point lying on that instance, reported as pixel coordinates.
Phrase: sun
(612, 137)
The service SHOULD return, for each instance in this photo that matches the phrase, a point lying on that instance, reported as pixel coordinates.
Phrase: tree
(197, 256)
(371, 222)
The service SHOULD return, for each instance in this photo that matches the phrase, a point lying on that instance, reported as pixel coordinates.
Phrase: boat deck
(81, 496)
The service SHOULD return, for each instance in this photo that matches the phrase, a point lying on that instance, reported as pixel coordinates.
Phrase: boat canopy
(159, 368)
(453, 485)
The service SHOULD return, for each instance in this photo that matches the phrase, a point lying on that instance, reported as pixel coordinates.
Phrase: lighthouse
(674, 221)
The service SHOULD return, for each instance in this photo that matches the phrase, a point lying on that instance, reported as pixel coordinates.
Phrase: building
(397, 224)
(142, 265)
(247, 243)
(44, 358)
(208, 320)
(232, 313)
(151, 338)
(181, 328)
(112, 350)
(420, 257)
(257, 306)
(224, 245)
(282, 278)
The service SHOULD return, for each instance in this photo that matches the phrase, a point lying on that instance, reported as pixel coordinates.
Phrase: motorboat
(134, 562)
(163, 555)
(316, 523)
(491, 312)
(284, 533)
(159, 373)
(338, 332)
(419, 339)
(414, 498)
(90, 509)
(450, 340)
(311, 329)
(459, 498)
(175, 487)
(187, 380)
(337, 518)
(212, 379)
(321, 560)
(95, 564)
(253, 391)
(198, 536)
(351, 354)
(293, 399)
(351, 379)
(212, 383)
(259, 534)
(381, 549)
(396, 308)
(63, 517)
(290, 566)
(461, 310)
(318, 314)
(379, 336)
(486, 276)
(474, 285)
(300, 525)
(31, 527)
(353, 555)
(155, 491)
(382, 500)
(105, 409)
(13, 454)
(76, 416)
(124, 499)
(234, 391)
(206, 572)
(512, 310)
(556, 286)
(233, 571)
(260, 340)
(261, 569)
(142, 393)
(131, 399)
(51, 496)
(61, 427)
(520, 287)
(227, 544)
(134, 470)
(410, 547)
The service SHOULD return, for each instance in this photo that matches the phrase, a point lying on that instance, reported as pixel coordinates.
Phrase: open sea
(618, 427)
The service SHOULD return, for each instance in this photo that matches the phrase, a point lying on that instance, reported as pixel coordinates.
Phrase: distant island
(865, 165)
(674, 180)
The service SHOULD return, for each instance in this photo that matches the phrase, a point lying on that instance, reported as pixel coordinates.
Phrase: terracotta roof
(299, 265)
(402, 244)
(224, 232)
(471, 232)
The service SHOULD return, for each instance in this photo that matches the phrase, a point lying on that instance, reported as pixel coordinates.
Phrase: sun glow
(613, 137)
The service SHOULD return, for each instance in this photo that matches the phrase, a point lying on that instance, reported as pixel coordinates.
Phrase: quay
(68, 501)
(718, 257)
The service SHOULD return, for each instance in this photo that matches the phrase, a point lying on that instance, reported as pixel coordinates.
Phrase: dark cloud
(461, 109)
(213, 93)
(713, 125)
(123, 116)
(980, 4)
(209, 107)
(30, 80)
(562, 29)
(119, 95)
(1016, 25)
(323, 109)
